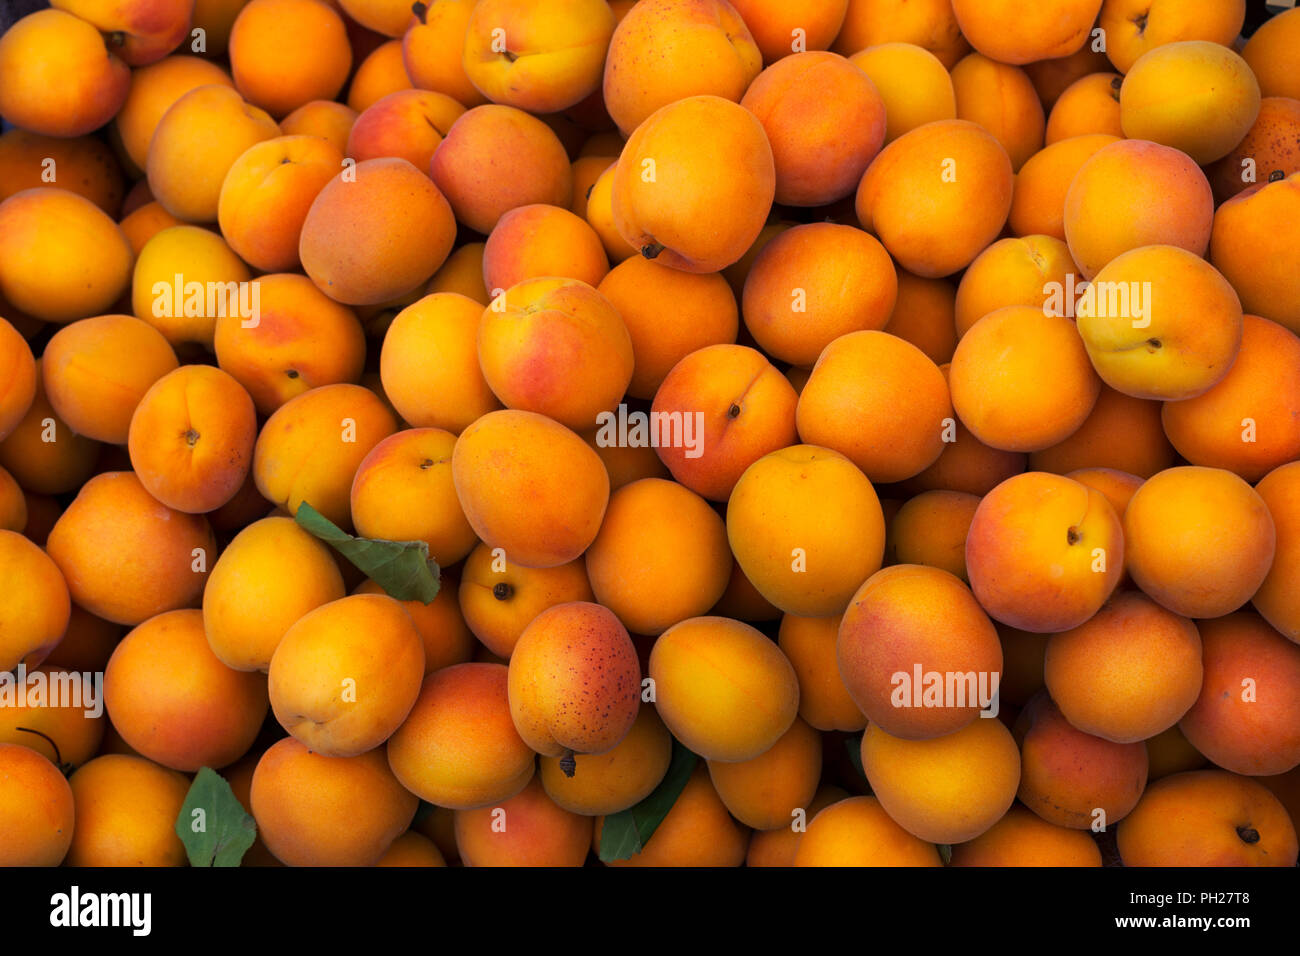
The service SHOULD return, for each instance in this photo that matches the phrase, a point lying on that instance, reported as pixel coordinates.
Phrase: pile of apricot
(896, 405)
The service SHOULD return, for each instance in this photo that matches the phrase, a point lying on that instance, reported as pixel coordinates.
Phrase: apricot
(433, 50)
(43, 454)
(191, 438)
(529, 829)
(913, 84)
(1041, 186)
(931, 529)
(344, 676)
(1000, 98)
(1013, 271)
(154, 88)
(857, 831)
(316, 810)
(929, 24)
(375, 232)
(600, 216)
(146, 222)
(1088, 107)
(140, 31)
(298, 340)
(937, 196)
(664, 51)
(769, 848)
(767, 791)
(1134, 193)
(324, 119)
(36, 614)
(174, 702)
(58, 76)
(18, 372)
(1245, 719)
(1275, 599)
(195, 144)
(1121, 432)
(1270, 53)
(1241, 424)
(625, 463)
(500, 597)
(381, 72)
(1053, 77)
(1199, 540)
(824, 701)
(13, 504)
(704, 313)
(1169, 752)
(280, 77)
(537, 334)
(407, 123)
(1245, 247)
(825, 122)
(1011, 33)
(1044, 552)
(669, 169)
(661, 556)
(698, 831)
(907, 621)
(722, 688)
(462, 273)
(806, 527)
(126, 813)
(550, 58)
(36, 809)
(1118, 487)
(614, 780)
(1133, 27)
(1022, 838)
(246, 608)
(1021, 379)
(1272, 144)
(446, 637)
(1207, 818)
(126, 556)
(925, 315)
(496, 158)
(61, 257)
(186, 278)
(267, 193)
(574, 681)
(780, 27)
(459, 747)
(947, 789)
(535, 241)
(814, 283)
(734, 408)
(82, 165)
(854, 403)
(1071, 778)
(412, 849)
(1194, 95)
(529, 485)
(1129, 673)
(310, 448)
(1136, 326)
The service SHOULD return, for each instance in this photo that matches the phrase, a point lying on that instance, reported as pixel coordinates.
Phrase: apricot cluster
(852, 432)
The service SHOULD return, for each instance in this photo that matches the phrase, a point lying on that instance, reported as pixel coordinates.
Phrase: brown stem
(569, 763)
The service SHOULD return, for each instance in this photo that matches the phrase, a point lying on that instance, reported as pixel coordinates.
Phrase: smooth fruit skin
(36, 809)
(1207, 818)
(574, 681)
(766, 793)
(126, 813)
(676, 202)
(18, 372)
(529, 485)
(529, 829)
(857, 831)
(1022, 839)
(616, 779)
(36, 613)
(314, 810)
(1246, 247)
(344, 676)
(1276, 599)
(724, 689)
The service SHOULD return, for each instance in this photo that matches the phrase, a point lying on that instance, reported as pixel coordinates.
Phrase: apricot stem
(733, 411)
(651, 250)
(1276, 175)
(421, 10)
(58, 755)
(502, 591)
(569, 763)
(1248, 834)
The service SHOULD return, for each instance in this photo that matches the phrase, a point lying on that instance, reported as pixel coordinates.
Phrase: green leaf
(402, 568)
(945, 853)
(213, 824)
(626, 832)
